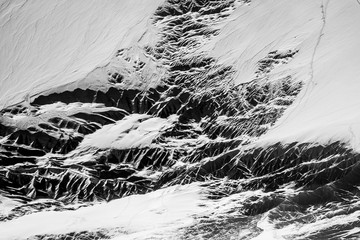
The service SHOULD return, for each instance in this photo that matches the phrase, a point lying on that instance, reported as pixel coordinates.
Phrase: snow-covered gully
(188, 131)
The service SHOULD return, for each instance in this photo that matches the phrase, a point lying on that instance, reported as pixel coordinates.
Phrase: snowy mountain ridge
(196, 119)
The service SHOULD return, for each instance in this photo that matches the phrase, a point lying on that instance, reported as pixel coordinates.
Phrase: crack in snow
(323, 12)
(311, 81)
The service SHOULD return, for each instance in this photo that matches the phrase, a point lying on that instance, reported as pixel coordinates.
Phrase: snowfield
(159, 213)
(165, 119)
(326, 33)
(48, 45)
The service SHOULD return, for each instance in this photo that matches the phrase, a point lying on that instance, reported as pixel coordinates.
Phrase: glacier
(171, 119)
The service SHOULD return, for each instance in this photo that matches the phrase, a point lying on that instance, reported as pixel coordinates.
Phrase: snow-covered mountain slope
(45, 45)
(194, 119)
(159, 213)
(325, 34)
(326, 110)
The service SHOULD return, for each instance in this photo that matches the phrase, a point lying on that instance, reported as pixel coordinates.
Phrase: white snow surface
(326, 33)
(48, 45)
(327, 108)
(159, 213)
(135, 131)
(45, 44)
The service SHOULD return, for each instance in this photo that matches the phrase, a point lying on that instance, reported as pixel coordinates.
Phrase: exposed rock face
(195, 125)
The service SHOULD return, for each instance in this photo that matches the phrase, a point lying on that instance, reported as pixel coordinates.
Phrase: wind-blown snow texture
(195, 119)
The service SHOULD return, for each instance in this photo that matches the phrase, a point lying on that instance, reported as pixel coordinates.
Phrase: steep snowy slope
(326, 34)
(44, 45)
(327, 108)
(194, 119)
